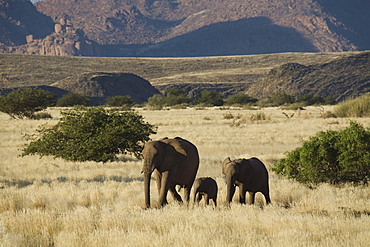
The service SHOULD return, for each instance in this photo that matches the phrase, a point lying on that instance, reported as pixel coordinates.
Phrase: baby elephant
(206, 187)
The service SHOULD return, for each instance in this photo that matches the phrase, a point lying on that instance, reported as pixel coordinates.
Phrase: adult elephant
(174, 162)
(249, 175)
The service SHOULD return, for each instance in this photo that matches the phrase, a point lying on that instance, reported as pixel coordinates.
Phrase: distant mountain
(187, 27)
(217, 27)
(19, 19)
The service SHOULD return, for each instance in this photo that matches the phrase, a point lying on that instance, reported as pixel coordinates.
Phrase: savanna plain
(51, 202)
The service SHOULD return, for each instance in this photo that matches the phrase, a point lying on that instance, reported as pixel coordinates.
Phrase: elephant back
(183, 146)
(257, 165)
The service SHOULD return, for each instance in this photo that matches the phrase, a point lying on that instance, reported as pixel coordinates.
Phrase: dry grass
(50, 202)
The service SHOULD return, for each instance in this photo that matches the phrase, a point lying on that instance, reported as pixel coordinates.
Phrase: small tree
(73, 99)
(309, 99)
(240, 99)
(330, 157)
(157, 101)
(210, 97)
(175, 96)
(120, 100)
(95, 134)
(24, 102)
(279, 99)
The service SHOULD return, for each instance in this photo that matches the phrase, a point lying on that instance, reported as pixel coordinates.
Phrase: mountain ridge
(181, 27)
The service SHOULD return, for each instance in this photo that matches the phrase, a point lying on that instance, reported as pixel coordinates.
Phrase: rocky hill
(24, 30)
(185, 27)
(341, 79)
(217, 27)
(100, 85)
(19, 19)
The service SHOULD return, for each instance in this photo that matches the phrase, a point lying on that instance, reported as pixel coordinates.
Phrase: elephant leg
(231, 189)
(206, 197)
(199, 197)
(251, 197)
(175, 195)
(166, 179)
(267, 197)
(242, 192)
(158, 179)
(187, 193)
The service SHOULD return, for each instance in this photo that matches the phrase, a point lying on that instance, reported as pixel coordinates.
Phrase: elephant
(207, 187)
(174, 162)
(249, 175)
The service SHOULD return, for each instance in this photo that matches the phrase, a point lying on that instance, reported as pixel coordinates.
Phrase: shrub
(278, 99)
(330, 157)
(309, 99)
(25, 102)
(95, 134)
(73, 99)
(156, 102)
(210, 97)
(175, 96)
(358, 107)
(240, 99)
(119, 101)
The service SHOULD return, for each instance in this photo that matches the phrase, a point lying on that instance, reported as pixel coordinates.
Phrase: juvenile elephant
(174, 162)
(206, 187)
(249, 175)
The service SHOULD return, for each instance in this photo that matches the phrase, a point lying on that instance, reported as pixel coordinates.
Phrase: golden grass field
(51, 202)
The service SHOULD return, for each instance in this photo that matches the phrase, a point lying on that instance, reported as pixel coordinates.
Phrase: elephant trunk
(147, 176)
(230, 189)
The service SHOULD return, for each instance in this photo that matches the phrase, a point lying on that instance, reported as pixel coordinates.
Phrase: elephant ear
(224, 163)
(172, 156)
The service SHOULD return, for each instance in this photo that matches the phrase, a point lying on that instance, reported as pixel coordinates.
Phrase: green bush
(120, 100)
(175, 96)
(278, 99)
(309, 99)
(330, 157)
(358, 107)
(96, 134)
(156, 102)
(73, 99)
(211, 98)
(240, 99)
(24, 102)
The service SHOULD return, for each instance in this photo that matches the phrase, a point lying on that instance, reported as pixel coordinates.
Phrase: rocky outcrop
(218, 27)
(65, 41)
(100, 85)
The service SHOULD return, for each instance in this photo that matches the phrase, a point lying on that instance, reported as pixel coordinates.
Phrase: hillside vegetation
(231, 74)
